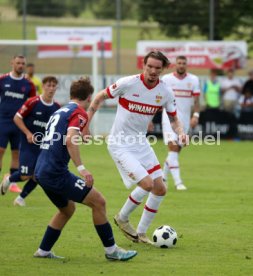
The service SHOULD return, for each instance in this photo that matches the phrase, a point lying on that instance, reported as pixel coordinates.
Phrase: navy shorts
(27, 162)
(9, 133)
(64, 188)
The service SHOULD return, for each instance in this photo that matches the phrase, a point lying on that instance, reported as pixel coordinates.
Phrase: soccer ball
(165, 237)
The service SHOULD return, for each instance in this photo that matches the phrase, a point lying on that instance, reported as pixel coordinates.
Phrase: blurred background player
(140, 96)
(185, 87)
(231, 90)
(30, 74)
(63, 188)
(15, 89)
(212, 91)
(31, 119)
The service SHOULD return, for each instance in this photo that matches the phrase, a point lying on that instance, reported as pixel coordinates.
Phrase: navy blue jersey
(13, 93)
(54, 157)
(35, 114)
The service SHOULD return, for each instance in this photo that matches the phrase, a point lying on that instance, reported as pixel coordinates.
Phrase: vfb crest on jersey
(158, 98)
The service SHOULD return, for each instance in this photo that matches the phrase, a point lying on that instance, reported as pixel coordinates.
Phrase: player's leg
(14, 142)
(96, 202)
(168, 136)
(151, 207)
(131, 172)
(3, 145)
(2, 152)
(5, 181)
(29, 186)
(27, 162)
(66, 209)
(173, 164)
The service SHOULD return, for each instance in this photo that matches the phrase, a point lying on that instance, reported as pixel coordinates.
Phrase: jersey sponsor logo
(182, 93)
(7, 85)
(38, 113)
(14, 95)
(138, 107)
(39, 123)
(114, 86)
(136, 95)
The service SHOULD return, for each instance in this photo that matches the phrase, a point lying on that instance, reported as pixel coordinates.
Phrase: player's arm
(196, 109)
(178, 128)
(18, 120)
(74, 152)
(96, 103)
(94, 106)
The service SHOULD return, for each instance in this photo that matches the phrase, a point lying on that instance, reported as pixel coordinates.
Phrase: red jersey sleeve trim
(28, 106)
(172, 113)
(109, 93)
(196, 93)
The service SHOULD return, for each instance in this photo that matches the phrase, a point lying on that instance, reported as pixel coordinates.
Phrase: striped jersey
(183, 89)
(138, 103)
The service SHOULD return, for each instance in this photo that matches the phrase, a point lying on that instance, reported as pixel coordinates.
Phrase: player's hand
(183, 139)
(29, 138)
(87, 176)
(194, 122)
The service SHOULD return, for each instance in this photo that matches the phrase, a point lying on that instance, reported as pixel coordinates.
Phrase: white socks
(134, 199)
(43, 253)
(150, 209)
(111, 249)
(172, 165)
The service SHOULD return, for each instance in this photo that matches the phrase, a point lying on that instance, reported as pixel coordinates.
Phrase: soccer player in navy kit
(63, 188)
(15, 89)
(31, 119)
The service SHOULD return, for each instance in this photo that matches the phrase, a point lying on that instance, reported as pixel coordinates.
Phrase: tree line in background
(176, 18)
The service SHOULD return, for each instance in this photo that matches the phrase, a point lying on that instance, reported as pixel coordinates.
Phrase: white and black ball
(165, 237)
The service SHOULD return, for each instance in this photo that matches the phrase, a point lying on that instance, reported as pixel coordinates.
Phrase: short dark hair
(30, 65)
(181, 57)
(157, 55)
(81, 89)
(49, 79)
(18, 56)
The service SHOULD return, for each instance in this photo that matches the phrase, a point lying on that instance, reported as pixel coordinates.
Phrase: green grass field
(213, 219)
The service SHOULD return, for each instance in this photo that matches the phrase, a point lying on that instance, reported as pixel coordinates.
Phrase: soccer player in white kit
(186, 90)
(140, 97)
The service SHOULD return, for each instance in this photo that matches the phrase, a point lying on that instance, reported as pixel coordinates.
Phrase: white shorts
(135, 163)
(169, 134)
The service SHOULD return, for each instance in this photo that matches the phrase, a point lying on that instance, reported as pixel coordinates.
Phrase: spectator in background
(246, 99)
(231, 90)
(30, 71)
(248, 85)
(212, 90)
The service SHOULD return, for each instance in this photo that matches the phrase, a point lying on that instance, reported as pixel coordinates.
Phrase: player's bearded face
(19, 66)
(181, 67)
(152, 70)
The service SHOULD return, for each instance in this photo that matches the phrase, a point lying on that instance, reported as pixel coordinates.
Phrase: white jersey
(184, 89)
(231, 94)
(137, 105)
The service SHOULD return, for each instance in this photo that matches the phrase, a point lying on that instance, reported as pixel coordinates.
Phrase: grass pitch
(213, 219)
